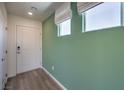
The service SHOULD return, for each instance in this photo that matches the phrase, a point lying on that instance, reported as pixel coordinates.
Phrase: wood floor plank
(32, 80)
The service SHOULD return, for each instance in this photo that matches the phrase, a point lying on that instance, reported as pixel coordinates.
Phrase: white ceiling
(44, 9)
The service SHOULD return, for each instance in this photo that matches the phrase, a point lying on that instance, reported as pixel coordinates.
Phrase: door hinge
(6, 75)
(3, 81)
(2, 59)
(6, 51)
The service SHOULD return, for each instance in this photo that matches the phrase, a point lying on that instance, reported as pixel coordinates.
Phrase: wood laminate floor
(32, 80)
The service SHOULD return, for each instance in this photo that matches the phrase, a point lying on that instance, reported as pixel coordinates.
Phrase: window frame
(59, 29)
(83, 14)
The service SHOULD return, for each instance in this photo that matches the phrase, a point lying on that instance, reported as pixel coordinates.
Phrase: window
(63, 15)
(102, 16)
(64, 28)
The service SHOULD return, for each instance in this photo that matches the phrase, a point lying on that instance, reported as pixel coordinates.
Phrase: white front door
(27, 48)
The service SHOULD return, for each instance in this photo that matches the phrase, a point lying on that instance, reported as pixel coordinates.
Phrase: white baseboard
(54, 79)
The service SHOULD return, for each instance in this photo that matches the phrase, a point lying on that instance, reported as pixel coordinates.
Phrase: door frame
(39, 40)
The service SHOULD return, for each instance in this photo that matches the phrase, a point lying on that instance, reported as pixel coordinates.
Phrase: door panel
(4, 63)
(28, 48)
(3, 46)
(1, 50)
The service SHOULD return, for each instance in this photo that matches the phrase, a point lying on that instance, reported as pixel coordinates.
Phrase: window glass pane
(65, 28)
(104, 15)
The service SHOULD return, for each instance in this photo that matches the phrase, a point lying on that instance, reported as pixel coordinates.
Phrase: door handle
(18, 49)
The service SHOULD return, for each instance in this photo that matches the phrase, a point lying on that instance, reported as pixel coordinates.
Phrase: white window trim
(122, 14)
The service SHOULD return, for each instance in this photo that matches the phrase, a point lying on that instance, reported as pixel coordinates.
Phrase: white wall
(12, 22)
(3, 44)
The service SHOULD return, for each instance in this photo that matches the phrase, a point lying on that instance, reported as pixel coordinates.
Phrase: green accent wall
(91, 60)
